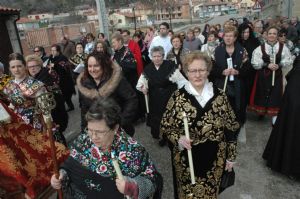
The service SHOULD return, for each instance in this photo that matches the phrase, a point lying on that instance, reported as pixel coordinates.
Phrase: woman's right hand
(144, 90)
(226, 72)
(185, 143)
(56, 183)
(273, 67)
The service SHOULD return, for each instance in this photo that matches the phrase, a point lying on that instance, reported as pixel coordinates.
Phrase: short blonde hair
(35, 58)
(196, 55)
(118, 37)
(231, 28)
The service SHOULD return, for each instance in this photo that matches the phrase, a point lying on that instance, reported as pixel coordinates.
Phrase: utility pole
(102, 17)
(170, 16)
(191, 11)
(134, 18)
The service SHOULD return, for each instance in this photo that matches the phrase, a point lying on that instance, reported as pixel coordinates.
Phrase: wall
(48, 36)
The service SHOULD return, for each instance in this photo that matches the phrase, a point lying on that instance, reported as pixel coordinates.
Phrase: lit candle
(190, 157)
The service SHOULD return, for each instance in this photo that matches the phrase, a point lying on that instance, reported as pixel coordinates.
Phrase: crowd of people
(211, 78)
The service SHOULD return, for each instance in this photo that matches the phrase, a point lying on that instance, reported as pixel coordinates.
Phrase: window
(119, 20)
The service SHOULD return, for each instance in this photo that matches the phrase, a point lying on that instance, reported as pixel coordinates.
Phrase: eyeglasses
(195, 71)
(36, 51)
(196, 31)
(97, 133)
(182, 35)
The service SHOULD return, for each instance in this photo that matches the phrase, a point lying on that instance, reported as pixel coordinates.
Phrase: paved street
(253, 179)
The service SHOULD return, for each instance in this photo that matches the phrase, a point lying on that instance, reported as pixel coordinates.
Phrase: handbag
(227, 180)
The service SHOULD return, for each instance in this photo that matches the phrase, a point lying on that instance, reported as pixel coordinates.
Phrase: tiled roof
(6, 10)
(26, 20)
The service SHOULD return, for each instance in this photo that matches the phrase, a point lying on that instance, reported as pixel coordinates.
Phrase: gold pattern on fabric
(216, 125)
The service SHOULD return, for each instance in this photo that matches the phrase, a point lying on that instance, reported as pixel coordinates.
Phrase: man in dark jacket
(68, 47)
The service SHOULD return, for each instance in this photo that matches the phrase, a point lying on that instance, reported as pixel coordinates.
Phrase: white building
(40, 16)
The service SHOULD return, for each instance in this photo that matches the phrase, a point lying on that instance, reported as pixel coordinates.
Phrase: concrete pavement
(253, 179)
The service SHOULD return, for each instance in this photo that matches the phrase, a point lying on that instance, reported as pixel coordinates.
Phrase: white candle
(273, 73)
(230, 65)
(225, 83)
(190, 157)
(116, 166)
(147, 103)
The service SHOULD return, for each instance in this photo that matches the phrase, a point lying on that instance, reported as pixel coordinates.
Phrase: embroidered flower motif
(104, 158)
(101, 169)
(26, 120)
(95, 153)
(132, 141)
(73, 153)
(122, 156)
(149, 171)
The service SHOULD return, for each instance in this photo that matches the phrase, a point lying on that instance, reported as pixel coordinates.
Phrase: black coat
(235, 90)
(160, 90)
(59, 113)
(62, 67)
(125, 59)
(250, 45)
(116, 87)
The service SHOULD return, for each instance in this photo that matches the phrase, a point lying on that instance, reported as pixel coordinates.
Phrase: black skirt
(283, 149)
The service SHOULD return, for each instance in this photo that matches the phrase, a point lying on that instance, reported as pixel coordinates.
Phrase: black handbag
(227, 180)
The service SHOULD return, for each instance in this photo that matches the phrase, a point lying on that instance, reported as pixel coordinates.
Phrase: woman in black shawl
(282, 152)
(249, 42)
(60, 64)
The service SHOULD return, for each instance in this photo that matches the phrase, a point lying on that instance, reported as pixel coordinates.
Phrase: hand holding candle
(190, 157)
(116, 166)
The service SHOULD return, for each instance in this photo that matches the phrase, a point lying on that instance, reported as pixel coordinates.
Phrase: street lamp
(133, 10)
(170, 16)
